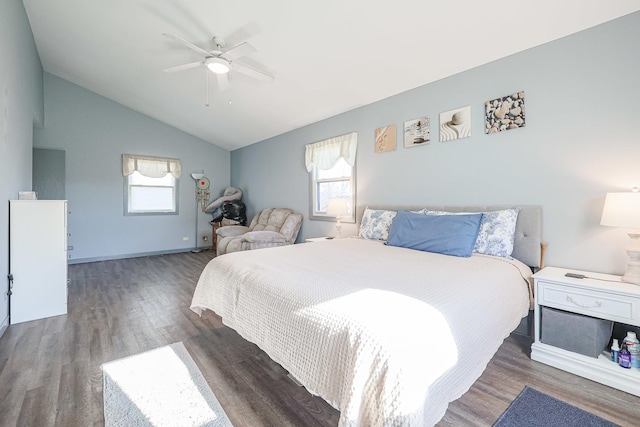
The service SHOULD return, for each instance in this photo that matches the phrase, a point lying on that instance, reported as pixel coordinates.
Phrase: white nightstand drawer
(590, 302)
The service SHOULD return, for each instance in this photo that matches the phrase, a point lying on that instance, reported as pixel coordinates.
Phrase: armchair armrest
(263, 237)
(232, 230)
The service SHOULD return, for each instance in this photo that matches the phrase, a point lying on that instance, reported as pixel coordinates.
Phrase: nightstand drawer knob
(596, 305)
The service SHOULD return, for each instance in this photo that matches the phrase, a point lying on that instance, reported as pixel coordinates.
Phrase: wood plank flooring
(50, 371)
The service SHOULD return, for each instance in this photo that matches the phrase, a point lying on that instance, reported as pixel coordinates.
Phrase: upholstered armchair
(270, 227)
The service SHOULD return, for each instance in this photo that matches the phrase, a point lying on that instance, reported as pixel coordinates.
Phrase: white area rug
(162, 387)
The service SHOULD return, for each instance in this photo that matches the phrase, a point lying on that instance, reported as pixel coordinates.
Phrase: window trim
(126, 193)
(350, 219)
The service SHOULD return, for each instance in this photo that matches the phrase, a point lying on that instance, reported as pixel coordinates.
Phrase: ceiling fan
(221, 61)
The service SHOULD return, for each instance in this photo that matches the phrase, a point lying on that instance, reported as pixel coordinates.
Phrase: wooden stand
(214, 237)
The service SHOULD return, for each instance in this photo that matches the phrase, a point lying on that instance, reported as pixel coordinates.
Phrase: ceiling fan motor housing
(219, 42)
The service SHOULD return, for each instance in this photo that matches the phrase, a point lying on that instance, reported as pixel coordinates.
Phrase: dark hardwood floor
(50, 369)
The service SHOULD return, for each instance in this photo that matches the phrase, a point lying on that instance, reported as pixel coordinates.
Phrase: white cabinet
(597, 295)
(37, 259)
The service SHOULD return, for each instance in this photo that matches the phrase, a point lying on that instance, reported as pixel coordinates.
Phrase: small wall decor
(385, 139)
(417, 132)
(203, 192)
(504, 113)
(455, 124)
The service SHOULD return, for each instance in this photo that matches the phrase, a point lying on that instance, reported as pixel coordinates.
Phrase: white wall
(21, 106)
(94, 132)
(580, 142)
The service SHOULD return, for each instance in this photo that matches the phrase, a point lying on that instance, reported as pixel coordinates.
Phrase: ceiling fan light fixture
(218, 65)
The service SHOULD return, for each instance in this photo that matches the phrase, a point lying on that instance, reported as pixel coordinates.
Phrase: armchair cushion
(264, 236)
(232, 230)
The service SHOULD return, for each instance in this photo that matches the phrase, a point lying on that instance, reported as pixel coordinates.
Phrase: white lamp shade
(621, 210)
(218, 65)
(197, 175)
(337, 207)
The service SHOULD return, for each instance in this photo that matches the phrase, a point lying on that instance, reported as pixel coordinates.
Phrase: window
(150, 185)
(336, 182)
(331, 164)
(151, 195)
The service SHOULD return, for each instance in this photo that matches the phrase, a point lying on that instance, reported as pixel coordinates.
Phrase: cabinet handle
(596, 305)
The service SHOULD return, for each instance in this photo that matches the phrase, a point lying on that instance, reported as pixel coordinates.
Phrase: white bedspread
(387, 335)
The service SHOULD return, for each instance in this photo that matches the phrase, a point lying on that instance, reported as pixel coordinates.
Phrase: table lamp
(623, 210)
(337, 208)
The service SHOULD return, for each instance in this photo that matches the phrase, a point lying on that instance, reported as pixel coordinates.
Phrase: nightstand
(601, 296)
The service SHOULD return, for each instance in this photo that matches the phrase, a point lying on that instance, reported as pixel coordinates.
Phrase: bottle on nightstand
(624, 358)
(633, 345)
(615, 351)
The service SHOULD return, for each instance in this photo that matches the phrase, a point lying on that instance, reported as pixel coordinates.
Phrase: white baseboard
(135, 255)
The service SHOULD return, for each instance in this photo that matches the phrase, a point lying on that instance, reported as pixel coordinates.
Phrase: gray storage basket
(574, 332)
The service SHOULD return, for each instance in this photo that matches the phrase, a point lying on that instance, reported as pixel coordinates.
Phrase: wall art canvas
(504, 113)
(455, 124)
(417, 132)
(385, 139)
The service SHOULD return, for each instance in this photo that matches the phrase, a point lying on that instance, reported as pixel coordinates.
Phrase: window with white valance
(325, 154)
(150, 185)
(152, 167)
(331, 165)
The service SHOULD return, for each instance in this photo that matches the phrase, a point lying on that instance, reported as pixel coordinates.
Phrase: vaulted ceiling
(327, 57)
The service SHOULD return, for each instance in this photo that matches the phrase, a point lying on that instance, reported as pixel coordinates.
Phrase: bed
(387, 335)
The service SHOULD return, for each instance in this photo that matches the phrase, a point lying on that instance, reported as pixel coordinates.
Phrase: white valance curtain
(325, 154)
(152, 167)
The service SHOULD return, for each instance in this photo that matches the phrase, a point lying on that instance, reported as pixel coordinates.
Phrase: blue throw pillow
(444, 234)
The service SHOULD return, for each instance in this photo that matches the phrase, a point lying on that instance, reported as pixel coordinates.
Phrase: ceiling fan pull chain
(207, 74)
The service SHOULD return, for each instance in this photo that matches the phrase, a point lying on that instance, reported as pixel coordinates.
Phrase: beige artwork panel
(385, 139)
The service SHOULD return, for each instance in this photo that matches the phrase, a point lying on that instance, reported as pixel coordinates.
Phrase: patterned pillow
(497, 231)
(376, 223)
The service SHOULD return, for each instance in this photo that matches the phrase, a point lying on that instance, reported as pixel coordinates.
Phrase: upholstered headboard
(528, 239)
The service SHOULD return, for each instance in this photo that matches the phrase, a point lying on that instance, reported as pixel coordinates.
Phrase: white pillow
(376, 223)
(497, 230)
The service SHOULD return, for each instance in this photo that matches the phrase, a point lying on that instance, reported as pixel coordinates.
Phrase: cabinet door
(38, 259)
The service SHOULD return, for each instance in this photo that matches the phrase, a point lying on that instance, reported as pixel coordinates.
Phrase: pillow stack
(449, 233)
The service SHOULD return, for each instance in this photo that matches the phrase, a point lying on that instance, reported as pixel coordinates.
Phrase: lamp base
(196, 250)
(632, 275)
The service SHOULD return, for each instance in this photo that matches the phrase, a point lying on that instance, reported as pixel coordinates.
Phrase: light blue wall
(48, 174)
(95, 132)
(581, 141)
(21, 105)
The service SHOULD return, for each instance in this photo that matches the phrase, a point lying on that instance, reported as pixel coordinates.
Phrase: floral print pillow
(376, 223)
(497, 232)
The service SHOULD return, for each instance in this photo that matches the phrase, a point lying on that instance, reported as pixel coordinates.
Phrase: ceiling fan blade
(223, 81)
(183, 67)
(252, 72)
(242, 34)
(238, 51)
(187, 44)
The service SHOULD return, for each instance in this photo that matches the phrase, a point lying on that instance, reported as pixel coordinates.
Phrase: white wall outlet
(185, 238)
